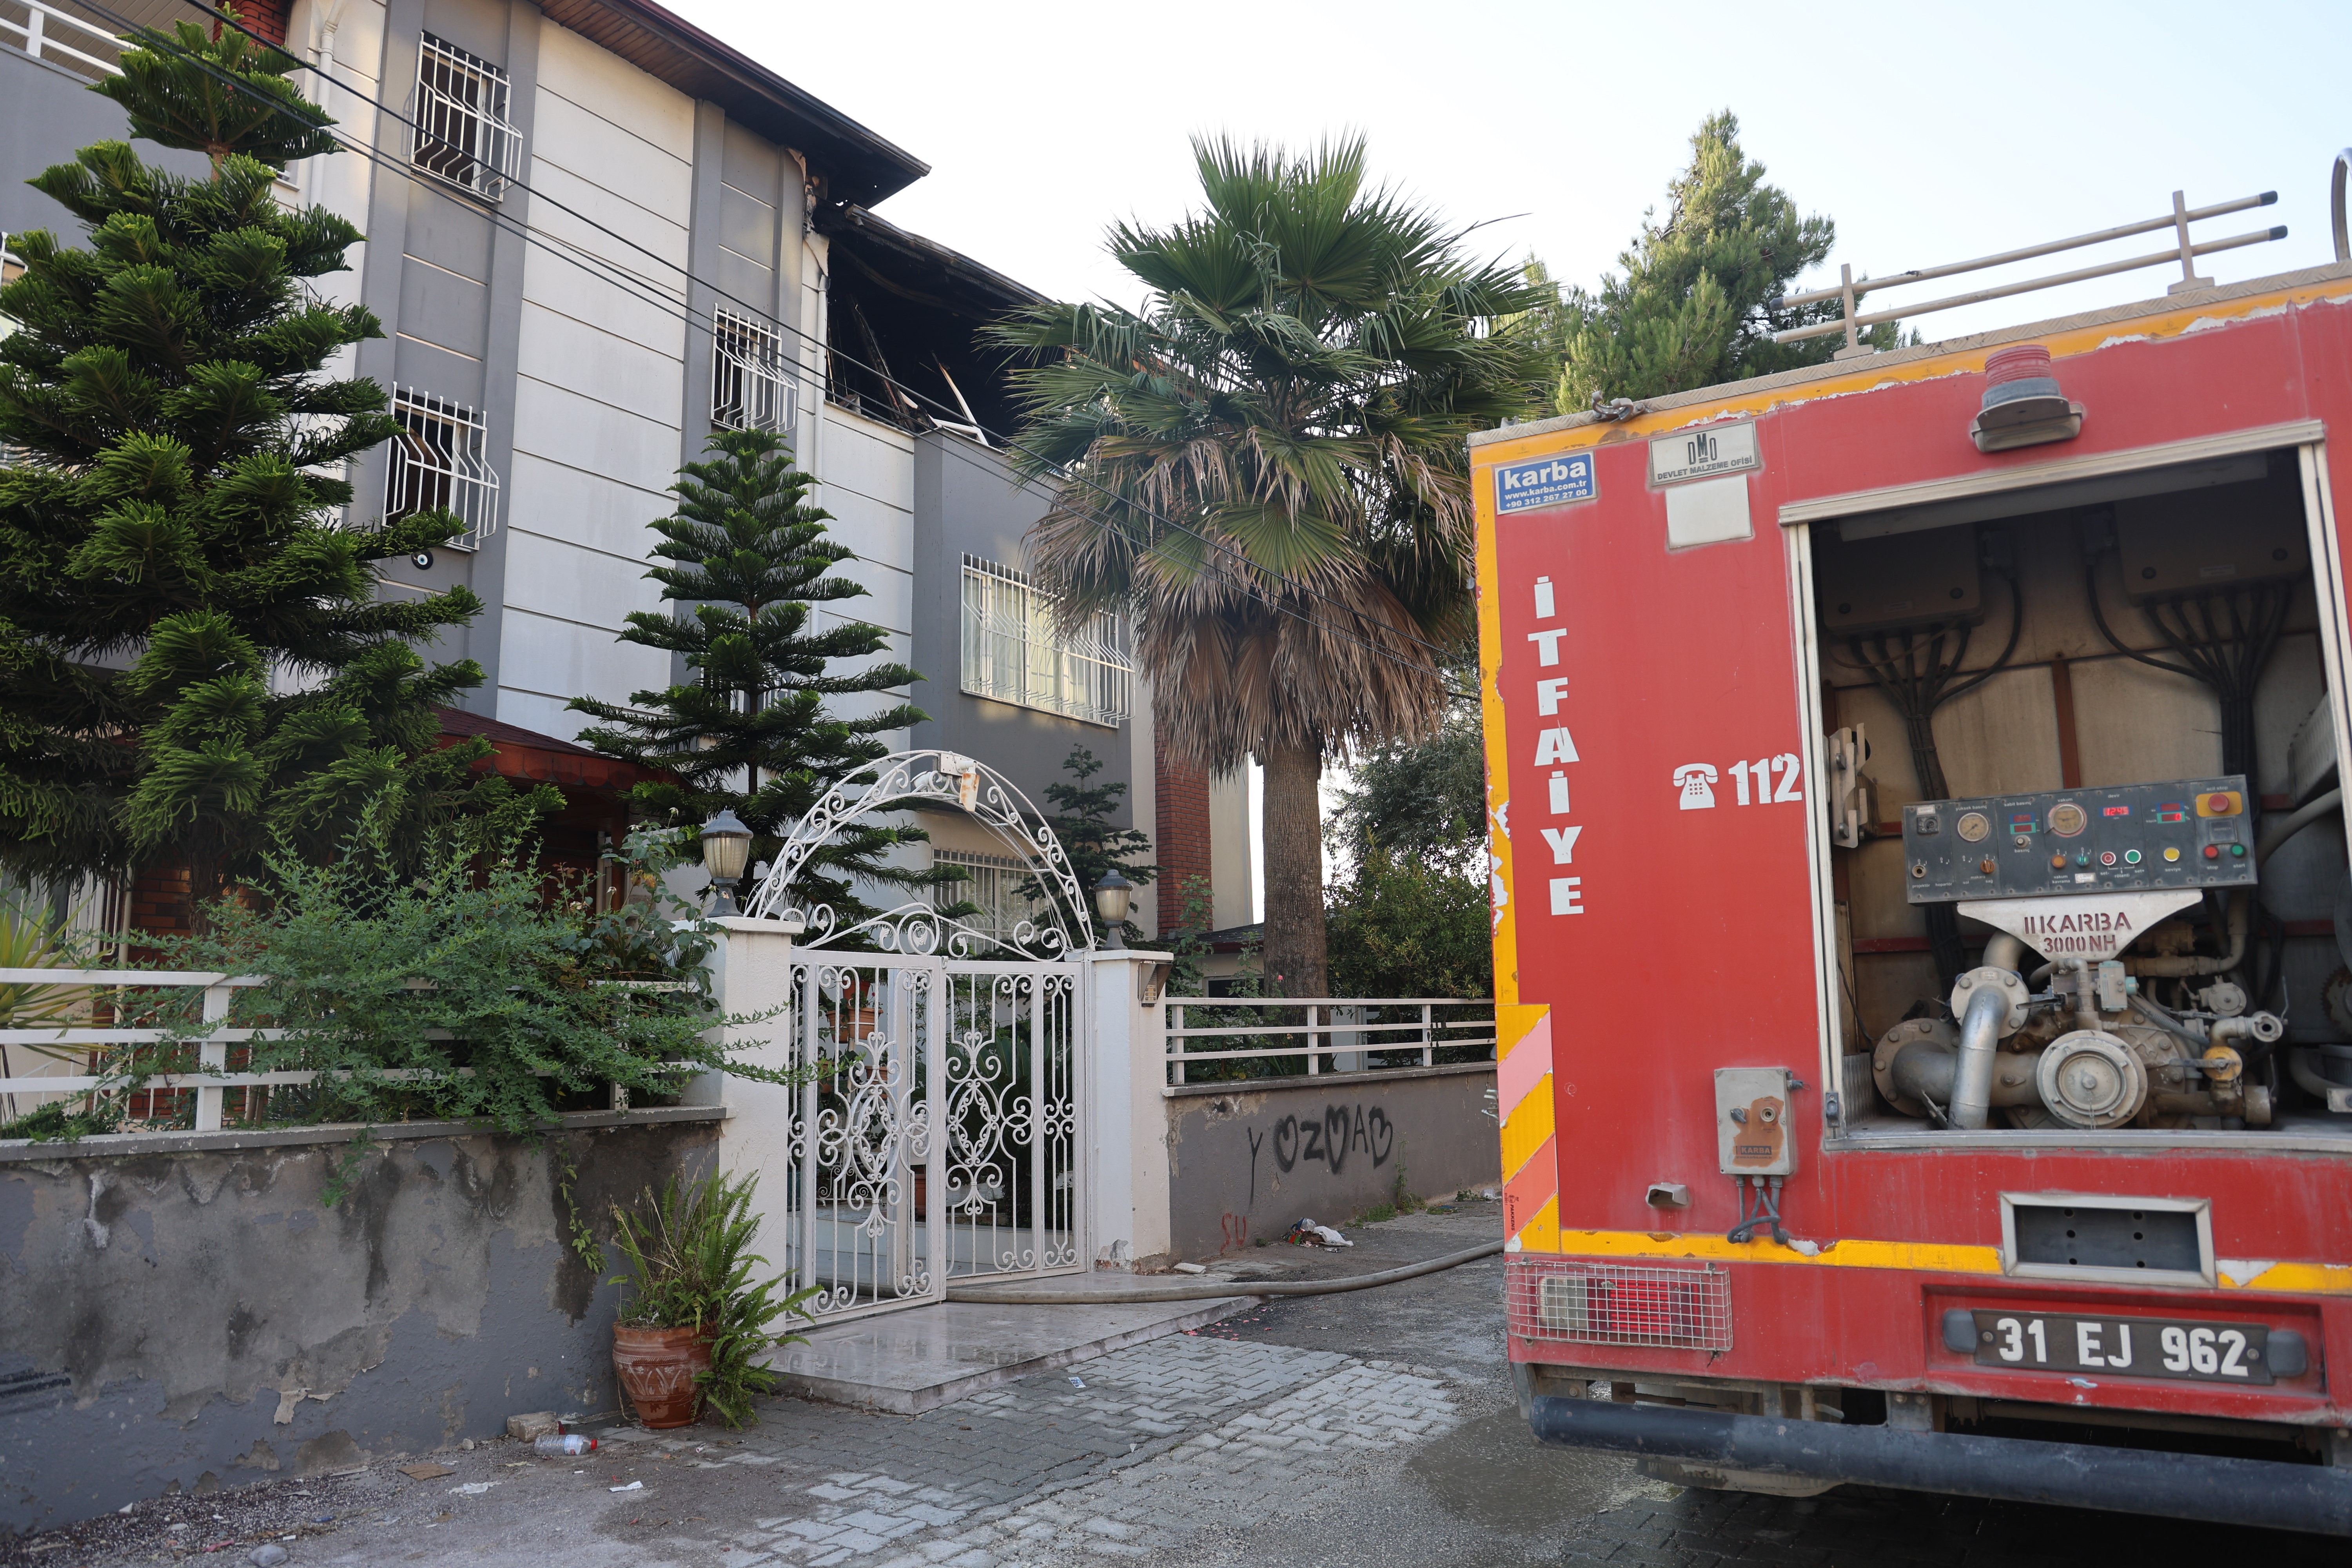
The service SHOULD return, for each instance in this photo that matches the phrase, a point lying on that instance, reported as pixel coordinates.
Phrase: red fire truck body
(1686, 614)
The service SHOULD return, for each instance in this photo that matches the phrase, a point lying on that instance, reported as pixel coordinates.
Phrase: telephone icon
(1696, 781)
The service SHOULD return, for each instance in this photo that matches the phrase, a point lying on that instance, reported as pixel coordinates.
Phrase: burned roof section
(907, 310)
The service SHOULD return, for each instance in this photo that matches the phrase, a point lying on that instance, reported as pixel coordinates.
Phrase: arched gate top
(1064, 924)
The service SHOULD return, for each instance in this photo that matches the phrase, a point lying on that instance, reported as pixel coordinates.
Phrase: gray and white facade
(613, 234)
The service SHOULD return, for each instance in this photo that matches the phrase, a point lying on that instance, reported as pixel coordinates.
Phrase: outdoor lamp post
(1112, 895)
(726, 844)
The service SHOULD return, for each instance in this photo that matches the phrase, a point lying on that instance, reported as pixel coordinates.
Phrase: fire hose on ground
(1208, 1290)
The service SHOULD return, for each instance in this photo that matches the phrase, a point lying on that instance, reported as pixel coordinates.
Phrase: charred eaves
(904, 319)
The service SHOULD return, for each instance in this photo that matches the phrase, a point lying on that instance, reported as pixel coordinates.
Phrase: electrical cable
(686, 313)
(1916, 677)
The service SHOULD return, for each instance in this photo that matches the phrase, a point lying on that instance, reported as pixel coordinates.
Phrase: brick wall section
(1180, 828)
(158, 901)
(267, 18)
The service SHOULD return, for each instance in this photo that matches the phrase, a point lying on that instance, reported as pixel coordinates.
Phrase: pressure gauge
(1973, 825)
(2067, 819)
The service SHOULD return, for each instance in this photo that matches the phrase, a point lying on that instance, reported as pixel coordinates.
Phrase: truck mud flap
(2260, 1493)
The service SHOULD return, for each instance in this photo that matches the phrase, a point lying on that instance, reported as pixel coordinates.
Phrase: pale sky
(1938, 132)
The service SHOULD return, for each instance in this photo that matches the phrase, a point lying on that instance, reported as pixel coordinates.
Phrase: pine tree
(1093, 842)
(194, 664)
(752, 735)
(1689, 310)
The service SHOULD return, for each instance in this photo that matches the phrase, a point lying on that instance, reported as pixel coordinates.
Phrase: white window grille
(460, 109)
(751, 386)
(989, 881)
(65, 41)
(438, 462)
(1013, 653)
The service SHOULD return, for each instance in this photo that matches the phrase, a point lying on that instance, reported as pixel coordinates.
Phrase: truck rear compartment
(2154, 627)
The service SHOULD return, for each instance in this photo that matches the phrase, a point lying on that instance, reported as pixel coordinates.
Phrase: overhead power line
(682, 309)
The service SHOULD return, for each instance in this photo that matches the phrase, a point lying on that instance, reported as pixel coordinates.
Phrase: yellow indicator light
(2170, 855)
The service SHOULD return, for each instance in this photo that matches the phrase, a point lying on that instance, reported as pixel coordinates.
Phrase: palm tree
(1265, 464)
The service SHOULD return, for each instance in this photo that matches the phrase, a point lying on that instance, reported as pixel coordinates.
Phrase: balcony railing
(47, 34)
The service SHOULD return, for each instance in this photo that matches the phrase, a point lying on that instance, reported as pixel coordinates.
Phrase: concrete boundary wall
(1247, 1160)
(182, 1318)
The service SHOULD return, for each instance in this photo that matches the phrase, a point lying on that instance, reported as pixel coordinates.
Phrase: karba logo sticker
(1545, 481)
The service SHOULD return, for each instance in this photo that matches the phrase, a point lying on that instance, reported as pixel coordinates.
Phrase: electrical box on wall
(1752, 1133)
(1907, 580)
(2227, 536)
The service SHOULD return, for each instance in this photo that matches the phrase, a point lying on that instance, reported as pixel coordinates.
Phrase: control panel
(2192, 833)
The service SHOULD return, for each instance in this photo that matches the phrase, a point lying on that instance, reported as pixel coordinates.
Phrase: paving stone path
(1130, 1452)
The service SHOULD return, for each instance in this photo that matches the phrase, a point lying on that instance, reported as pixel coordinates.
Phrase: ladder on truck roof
(1851, 290)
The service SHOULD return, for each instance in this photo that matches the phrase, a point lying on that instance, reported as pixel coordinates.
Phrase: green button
(2131, 856)
(2239, 850)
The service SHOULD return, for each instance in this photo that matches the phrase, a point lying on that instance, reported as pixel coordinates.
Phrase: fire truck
(1921, 910)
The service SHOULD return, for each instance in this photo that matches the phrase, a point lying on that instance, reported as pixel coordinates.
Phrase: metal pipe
(2247, 1493)
(1206, 1290)
(2275, 836)
(2122, 231)
(1925, 1070)
(2004, 951)
(2299, 1067)
(1972, 1104)
(2080, 274)
(2240, 911)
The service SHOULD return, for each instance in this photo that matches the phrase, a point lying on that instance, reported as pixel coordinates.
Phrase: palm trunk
(1292, 846)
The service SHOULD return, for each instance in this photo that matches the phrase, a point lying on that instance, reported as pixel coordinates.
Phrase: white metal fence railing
(210, 1082)
(67, 41)
(1269, 1037)
(155, 1091)
(1014, 651)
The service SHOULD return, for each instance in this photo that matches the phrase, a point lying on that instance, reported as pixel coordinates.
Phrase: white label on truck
(1703, 453)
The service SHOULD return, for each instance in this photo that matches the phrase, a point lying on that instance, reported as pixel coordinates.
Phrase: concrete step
(920, 1358)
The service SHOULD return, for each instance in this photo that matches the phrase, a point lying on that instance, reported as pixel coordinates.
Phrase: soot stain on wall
(160, 1313)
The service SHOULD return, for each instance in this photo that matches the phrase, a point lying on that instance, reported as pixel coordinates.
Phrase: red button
(2212, 851)
(2219, 805)
(2107, 858)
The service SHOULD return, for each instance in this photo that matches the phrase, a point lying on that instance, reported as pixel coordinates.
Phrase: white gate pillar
(752, 972)
(1125, 1114)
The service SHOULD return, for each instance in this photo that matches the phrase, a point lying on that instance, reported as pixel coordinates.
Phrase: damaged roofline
(850, 217)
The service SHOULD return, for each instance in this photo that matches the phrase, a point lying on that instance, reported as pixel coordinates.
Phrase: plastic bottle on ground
(571, 1443)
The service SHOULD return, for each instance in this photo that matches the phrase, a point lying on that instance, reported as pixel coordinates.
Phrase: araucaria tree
(194, 664)
(1690, 307)
(751, 732)
(1266, 463)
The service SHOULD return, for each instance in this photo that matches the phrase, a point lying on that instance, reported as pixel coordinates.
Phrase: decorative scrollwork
(944, 777)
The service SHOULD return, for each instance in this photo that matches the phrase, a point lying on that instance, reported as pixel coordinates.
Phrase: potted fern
(693, 1322)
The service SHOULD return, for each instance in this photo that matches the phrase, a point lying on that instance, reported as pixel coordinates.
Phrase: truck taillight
(1564, 1299)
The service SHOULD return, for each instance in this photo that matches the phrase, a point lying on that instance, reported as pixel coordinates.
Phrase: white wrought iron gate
(939, 1136)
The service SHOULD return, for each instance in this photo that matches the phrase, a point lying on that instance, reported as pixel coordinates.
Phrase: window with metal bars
(989, 881)
(1013, 652)
(459, 110)
(437, 460)
(751, 387)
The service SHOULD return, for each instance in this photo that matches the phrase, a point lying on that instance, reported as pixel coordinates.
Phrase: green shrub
(688, 1250)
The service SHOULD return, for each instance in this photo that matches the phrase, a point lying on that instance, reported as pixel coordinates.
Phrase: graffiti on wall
(1341, 1133)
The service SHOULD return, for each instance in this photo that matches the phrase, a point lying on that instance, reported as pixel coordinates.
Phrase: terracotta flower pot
(656, 1368)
